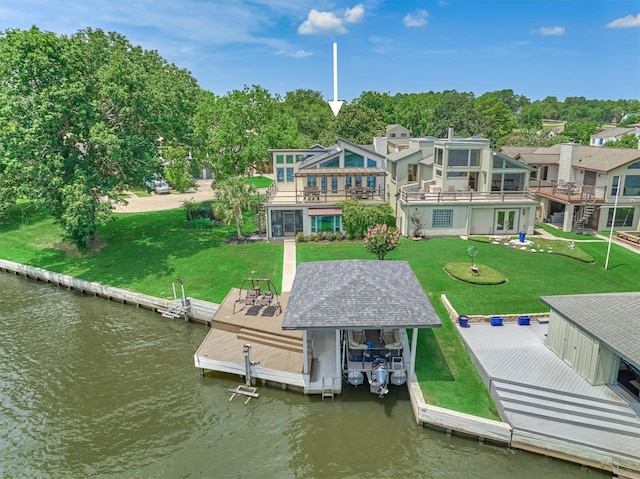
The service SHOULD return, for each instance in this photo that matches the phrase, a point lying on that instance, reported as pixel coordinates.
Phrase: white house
(577, 185)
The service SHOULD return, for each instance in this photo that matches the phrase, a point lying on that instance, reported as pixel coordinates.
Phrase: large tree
(235, 131)
(80, 119)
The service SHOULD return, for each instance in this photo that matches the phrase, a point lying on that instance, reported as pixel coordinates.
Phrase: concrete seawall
(197, 310)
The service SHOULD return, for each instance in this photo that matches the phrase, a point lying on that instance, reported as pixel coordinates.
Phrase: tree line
(86, 116)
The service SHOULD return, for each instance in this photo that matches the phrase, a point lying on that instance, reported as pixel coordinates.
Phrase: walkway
(289, 264)
(546, 402)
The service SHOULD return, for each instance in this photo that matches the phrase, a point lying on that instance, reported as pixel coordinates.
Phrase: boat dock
(276, 355)
(552, 410)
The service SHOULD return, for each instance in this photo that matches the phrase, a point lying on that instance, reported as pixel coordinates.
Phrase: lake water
(92, 388)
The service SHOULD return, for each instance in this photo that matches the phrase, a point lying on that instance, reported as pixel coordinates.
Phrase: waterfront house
(577, 185)
(459, 186)
(310, 183)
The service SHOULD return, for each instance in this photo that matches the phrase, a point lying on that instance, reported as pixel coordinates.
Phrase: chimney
(450, 136)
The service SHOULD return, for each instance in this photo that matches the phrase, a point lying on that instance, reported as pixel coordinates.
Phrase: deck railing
(571, 191)
(319, 196)
(460, 196)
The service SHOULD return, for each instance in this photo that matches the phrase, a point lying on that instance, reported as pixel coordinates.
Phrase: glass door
(505, 222)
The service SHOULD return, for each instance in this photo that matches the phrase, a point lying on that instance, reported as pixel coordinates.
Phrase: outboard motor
(379, 377)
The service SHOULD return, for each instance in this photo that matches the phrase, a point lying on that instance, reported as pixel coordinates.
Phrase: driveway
(171, 201)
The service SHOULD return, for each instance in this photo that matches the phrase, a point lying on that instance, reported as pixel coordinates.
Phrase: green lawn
(146, 252)
(260, 181)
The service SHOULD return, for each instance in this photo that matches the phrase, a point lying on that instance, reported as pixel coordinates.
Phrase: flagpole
(613, 221)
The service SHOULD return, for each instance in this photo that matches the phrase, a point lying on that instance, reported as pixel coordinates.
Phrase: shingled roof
(611, 318)
(357, 294)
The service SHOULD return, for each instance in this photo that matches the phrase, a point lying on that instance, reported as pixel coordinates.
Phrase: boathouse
(597, 335)
(299, 342)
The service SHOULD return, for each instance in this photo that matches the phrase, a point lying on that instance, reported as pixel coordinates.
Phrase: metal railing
(319, 196)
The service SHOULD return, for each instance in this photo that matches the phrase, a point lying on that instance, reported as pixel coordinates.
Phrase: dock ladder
(327, 387)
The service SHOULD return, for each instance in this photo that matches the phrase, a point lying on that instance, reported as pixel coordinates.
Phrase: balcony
(570, 192)
(314, 196)
(410, 194)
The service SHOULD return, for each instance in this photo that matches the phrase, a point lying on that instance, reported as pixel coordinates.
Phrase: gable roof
(593, 158)
(357, 294)
(611, 318)
(613, 132)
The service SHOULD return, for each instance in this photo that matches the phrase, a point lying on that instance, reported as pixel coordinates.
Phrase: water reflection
(99, 389)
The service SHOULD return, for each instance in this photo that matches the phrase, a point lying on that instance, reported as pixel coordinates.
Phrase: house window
(631, 185)
(280, 175)
(371, 163)
(393, 172)
(358, 181)
(439, 155)
(442, 218)
(347, 182)
(289, 158)
(392, 135)
(323, 184)
(412, 173)
(325, 223)
(334, 184)
(634, 166)
(624, 217)
(614, 186)
(312, 181)
(403, 135)
(353, 160)
(332, 163)
(371, 181)
(438, 173)
(289, 175)
(469, 158)
(279, 159)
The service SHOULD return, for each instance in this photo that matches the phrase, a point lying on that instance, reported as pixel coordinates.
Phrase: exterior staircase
(585, 212)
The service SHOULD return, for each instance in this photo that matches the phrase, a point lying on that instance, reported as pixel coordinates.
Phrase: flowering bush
(381, 239)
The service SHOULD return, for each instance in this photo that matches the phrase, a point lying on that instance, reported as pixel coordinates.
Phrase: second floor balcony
(570, 192)
(412, 194)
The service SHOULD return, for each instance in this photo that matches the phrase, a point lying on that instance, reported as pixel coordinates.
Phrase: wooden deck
(276, 355)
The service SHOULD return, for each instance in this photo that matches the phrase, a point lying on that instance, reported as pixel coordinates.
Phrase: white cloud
(626, 22)
(296, 54)
(321, 22)
(549, 31)
(329, 23)
(355, 14)
(417, 20)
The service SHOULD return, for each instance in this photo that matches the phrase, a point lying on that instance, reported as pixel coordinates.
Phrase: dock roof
(358, 294)
(611, 318)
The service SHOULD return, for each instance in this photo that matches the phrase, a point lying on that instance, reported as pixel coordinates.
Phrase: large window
(332, 163)
(279, 159)
(507, 182)
(371, 181)
(371, 163)
(325, 223)
(312, 182)
(334, 184)
(289, 175)
(631, 185)
(468, 158)
(289, 158)
(280, 175)
(624, 217)
(442, 218)
(353, 160)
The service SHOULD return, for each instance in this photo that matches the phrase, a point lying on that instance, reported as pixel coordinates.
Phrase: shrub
(339, 236)
(199, 224)
(312, 237)
(301, 238)
(330, 236)
(319, 236)
(381, 239)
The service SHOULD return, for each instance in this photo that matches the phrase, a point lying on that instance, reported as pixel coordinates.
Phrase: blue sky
(537, 48)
